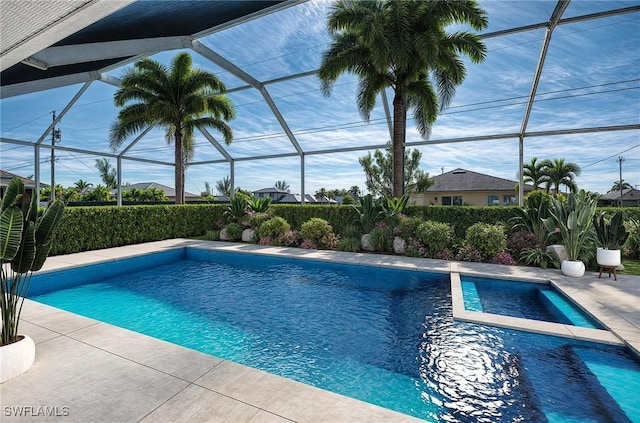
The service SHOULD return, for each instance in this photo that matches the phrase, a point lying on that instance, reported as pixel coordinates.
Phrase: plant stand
(609, 269)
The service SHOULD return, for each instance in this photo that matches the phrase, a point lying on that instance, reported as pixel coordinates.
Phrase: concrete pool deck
(89, 371)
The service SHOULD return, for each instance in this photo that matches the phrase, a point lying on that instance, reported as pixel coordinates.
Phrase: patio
(86, 370)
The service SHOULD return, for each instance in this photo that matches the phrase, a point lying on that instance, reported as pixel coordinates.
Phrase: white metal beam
(63, 112)
(93, 52)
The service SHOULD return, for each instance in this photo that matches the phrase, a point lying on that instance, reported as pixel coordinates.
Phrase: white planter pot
(572, 268)
(608, 257)
(16, 358)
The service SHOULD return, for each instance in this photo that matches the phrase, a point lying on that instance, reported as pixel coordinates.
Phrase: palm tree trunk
(399, 134)
(179, 168)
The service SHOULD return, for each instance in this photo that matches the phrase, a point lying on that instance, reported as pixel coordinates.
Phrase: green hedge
(92, 228)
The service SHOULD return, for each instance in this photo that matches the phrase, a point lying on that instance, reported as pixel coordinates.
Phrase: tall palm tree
(355, 191)
(178, 99)
(82, 185)
(561, 173)
(223, 186)
(281, 185)
(321, 194)
(402, 45)
(619, 187)
(107, 173)
(535, 172)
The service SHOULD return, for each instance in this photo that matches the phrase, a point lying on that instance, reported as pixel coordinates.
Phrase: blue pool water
(523, 299)
(383, 336)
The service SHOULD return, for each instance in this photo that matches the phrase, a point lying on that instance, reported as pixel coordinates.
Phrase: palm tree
(82, 185)
(617, 187)
(535, 172)
(107, 173)
(321, 194)
(178, 99)
(402, 45)
(355, 191)
(282, 185)
(223, 186)
(561, 173)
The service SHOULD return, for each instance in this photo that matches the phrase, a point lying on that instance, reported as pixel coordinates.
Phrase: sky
(591, 78)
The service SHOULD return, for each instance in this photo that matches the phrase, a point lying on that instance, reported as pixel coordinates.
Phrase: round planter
(16, 358)
(608, 257)
(572, 268)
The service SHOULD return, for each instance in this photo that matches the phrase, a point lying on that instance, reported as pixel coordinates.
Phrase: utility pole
(55, 134)
(620, 160)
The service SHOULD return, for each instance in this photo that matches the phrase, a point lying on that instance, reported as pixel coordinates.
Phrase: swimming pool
(383, 336)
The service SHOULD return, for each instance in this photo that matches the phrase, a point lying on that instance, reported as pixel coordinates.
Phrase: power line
(613, 155)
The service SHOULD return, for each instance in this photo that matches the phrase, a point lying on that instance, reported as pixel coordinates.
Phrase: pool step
(591, 401)
(471, 297)
(557, 305)
(621, 384)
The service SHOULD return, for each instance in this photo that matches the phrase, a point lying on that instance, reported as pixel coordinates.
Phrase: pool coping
(105, 373)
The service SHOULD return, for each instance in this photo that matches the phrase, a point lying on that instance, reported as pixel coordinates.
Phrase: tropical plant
(223, 186)
(558, 173)
(531, 218)
(572, 219)
(25, 241)
(349, 244)
(281, 185)
(617, 186)
(259, 205)
(394, 206)
(381, 238)
(632, 246)
(402, 45)
(369, 213)
(539, 257)
(611, 234)
(237, 209)
(107, 173)
(535, 172)
(178, 99)
(378, 170)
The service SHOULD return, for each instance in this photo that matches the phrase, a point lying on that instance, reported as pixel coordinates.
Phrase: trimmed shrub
(319, 233)
(435, 236)
(273, 228)
(234, 231)
(489, 240)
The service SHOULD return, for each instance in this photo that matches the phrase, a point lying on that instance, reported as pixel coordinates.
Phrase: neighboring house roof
(168, 191)
(627, 194)
(271, 190)
(295, 198)
(325, 200)
(466, 180)
(5, 177)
